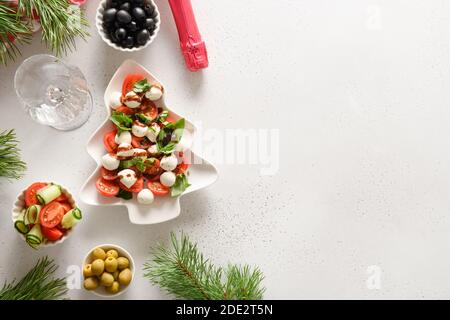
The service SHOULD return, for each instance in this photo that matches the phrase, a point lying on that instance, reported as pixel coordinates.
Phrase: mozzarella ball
(124, 137)
(169, 163)
(155, 93)
(115, 100)
(139, 131)
(125, 150)
(127, 177)
(153, 132)
(168, 178)
(132, 100)
(145, 196)
(153, 149)
(109, 162)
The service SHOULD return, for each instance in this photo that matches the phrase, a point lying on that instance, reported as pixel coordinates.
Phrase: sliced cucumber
(49, 193)
(34, 238)
(32, 214)
(71, 218)
(20, 225)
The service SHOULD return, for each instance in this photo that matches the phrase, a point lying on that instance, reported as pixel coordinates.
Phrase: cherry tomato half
(51, 214)
(135, 188)
(130, 80)
(109, 140)
(108, 174)
(157, 188)
(52, 234)
(30, 194)
(107, 188)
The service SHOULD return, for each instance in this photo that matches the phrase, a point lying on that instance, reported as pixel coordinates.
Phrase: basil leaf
(141, 86)
(170, 135)
(125, 195)
(143, 118)
(122, 121)
(168, 148)
(162, 116)
(180, 185)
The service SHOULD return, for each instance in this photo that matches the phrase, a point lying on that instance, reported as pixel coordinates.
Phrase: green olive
(116, 274)
(106, 279)
(98, 266)
(91, 283)
(87, 271)
(114, 288)
(111, 264)
(112, 253)
(122, 263)
(99, 253)
(125, 277)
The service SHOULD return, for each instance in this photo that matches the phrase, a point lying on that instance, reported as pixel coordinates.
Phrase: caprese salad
(48, 214)
(143, 156)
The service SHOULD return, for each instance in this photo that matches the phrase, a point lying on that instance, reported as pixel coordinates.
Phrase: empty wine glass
(53, 92)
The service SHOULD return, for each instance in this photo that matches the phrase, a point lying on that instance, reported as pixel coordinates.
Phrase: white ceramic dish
(20, 204)
(101, 291)
(101, 31)
(201, 172)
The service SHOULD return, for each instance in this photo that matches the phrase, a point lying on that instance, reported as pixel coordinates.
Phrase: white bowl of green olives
(128, 25)
(108, 270)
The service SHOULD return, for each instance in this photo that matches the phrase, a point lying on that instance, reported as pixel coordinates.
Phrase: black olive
(142, 37)
(149, 10)
(149, 24)
(113, 37)
(123, 17)
(139, 14)
(128, 42)
(132, 26)
(121, 34)
(111, 4)
(109, 15)
(138, 2)
(125, 6)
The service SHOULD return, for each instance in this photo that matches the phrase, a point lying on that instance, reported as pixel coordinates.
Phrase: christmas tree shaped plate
(201, 173)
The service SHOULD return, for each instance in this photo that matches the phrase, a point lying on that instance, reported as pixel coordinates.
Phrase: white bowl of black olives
(128, 25)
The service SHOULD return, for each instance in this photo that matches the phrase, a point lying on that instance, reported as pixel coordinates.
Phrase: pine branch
(11, 166)
(37, 284)
(184, 272)
(60, 23)
(13, 31)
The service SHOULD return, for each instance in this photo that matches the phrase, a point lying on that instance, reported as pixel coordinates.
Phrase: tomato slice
(130, 80)
(149, 109)
(67, 207)
(154, 169)
(181, 168)
(135, 188)
(52, 234)
(107, 188)
(51, 214)
(157, 188)
(108, 174)
(61, 198)
(125, 109)
(109, 140)
(30, 194)
(141, 143)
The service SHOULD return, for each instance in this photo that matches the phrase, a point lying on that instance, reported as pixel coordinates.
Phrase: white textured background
(360, 92)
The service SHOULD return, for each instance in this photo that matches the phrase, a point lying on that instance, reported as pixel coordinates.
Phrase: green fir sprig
(37, 284)
(184, 272)
(61, 23)
(13, 31)
(11, 166)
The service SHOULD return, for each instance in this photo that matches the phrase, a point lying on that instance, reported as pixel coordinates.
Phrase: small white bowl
(105, 37)
(101, 291)
(20, 204)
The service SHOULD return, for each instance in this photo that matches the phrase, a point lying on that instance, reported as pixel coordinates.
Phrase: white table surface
(359, 92)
